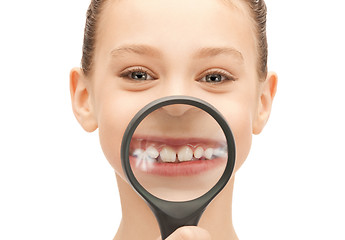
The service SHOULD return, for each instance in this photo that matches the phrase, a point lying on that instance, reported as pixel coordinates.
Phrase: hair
(258, 12)
(259, 15)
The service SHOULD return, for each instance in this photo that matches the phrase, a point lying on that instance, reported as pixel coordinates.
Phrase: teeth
(208, 153)
(168, 155)
(220, 152)
(185, 154)
(143, 160)
(152, 152)
(137, 152)
(199, 152)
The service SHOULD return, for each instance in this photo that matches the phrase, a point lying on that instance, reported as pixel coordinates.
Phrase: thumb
(189, 233)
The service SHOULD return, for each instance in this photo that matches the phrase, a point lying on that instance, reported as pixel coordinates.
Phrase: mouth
(176, 157)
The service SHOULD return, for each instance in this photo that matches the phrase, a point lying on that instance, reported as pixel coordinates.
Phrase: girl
(137, 51)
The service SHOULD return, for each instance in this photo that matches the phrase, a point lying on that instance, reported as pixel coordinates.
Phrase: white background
(56, 184)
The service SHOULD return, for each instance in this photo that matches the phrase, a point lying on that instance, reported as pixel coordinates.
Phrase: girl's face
(146, 50)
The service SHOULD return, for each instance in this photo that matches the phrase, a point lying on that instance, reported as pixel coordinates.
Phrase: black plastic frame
(172, 215)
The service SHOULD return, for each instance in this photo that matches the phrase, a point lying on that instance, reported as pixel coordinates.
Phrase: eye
(137, 74)
(216, 77)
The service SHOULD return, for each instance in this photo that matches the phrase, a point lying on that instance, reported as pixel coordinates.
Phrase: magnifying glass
(178, 153)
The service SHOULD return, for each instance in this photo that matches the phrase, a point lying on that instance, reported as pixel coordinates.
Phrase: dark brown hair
(92, 18)
(258, 13)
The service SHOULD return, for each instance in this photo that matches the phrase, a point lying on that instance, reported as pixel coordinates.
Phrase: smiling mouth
(175, 157)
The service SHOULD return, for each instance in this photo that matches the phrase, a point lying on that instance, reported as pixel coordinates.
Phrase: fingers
(189, 233)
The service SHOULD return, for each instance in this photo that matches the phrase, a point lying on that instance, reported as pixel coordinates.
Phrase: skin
(178, 44)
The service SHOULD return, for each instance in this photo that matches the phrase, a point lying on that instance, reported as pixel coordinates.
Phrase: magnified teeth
(167, 155)
(220, 152)
(208, 153)
(199, 152)
(152, 152)
(137, 152)
(185, 154)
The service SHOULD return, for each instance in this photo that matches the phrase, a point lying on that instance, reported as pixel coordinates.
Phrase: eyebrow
(142, 49)
(215, 51)
(139, 49)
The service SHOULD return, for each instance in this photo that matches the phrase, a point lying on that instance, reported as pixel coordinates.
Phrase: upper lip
(175, 142)
(139, 142)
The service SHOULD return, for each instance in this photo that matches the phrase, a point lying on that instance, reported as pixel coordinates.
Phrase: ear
(81, 100)
(266, 95)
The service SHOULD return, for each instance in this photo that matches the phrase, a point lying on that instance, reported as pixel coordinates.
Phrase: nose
(177, 85)
(177, 110)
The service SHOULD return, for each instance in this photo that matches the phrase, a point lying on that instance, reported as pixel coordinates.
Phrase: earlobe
(81, 102)
(266, 96)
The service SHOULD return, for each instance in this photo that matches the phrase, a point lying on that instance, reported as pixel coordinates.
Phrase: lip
(189, 168)
(175, 143)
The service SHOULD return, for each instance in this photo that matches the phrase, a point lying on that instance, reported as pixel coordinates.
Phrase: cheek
(240, 122)
(113, 118)
(243, 139)
(111, 128)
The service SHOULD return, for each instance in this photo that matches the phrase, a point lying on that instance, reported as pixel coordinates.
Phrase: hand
(189, 233)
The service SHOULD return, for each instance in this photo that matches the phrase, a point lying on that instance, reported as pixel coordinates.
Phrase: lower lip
(188, 168)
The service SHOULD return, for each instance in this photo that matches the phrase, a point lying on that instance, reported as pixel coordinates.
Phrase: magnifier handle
(168, 224)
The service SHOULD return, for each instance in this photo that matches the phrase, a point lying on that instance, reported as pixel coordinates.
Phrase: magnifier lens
(178, 152)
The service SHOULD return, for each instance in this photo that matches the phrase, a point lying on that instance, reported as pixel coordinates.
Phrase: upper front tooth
(199, 152)
(185, 154)
(152, 152)
(208, 153)
(168, 155)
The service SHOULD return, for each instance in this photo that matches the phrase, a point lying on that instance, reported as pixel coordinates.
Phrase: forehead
(169, 25)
